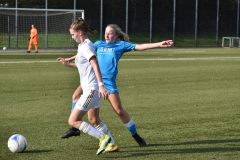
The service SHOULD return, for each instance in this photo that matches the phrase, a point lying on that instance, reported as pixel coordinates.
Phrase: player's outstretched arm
(163, 44)
(66, 62)
(71, 58)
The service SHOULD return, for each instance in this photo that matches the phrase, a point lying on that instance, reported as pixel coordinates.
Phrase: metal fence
(52, 25)
(190, 23)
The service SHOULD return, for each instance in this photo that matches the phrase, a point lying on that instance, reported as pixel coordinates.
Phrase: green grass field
(185, 102)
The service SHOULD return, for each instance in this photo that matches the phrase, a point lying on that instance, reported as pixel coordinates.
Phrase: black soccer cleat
(141, 142)
(71, 132)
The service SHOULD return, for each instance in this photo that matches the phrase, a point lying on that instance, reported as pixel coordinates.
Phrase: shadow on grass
(186, 148)
(37, 151)
(194, 143)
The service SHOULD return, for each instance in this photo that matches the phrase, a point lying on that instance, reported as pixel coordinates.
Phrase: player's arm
(67, 59)
(102, 90)
(66, 62)
(71, 58)
(141, 47)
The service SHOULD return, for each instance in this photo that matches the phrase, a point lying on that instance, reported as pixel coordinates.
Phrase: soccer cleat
(104, 140)
(36, 51)
(28, 51)
(71, 132)
(141, 142)
(111, 148)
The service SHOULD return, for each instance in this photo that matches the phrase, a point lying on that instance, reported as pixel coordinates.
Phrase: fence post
(238, 8)
(126, 26)
(9, 35)
(150, 21)
(196, 22)
(16, 23)
(46, 24)
(101, 18)
(74, 7)
(174, 22)
(217, 23)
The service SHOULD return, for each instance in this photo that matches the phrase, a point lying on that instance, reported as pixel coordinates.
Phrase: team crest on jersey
(103, 50)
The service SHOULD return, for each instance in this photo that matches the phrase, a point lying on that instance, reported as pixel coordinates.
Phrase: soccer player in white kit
(91, 82)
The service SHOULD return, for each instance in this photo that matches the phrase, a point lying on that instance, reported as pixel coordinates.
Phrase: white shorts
(88, 100)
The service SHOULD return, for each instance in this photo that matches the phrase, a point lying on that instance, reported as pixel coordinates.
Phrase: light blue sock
(131, 126)
(73, 105)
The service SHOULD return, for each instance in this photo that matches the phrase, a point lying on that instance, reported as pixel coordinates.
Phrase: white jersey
(87, 75)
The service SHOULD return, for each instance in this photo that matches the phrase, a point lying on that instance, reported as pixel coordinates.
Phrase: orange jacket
(33, 35)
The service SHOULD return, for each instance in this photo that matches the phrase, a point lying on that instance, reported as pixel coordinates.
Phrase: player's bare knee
(93, 121)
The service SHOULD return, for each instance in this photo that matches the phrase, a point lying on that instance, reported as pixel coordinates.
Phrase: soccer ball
(4, 48)
(17, 143)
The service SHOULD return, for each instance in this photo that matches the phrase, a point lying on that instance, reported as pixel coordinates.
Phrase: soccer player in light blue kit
(109, 53)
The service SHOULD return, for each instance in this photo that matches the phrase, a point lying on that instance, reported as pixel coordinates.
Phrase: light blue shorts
(111, 86)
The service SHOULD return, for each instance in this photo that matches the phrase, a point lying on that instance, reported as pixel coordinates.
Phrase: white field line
(23, 62)
(185, 59)
(190, 51)
(134, 59)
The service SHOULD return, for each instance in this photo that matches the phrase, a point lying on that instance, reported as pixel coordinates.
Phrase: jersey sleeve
(89, 52)
(95, 45)
(128, 47)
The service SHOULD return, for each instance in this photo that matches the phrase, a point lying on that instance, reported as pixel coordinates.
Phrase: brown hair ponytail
(81, 24)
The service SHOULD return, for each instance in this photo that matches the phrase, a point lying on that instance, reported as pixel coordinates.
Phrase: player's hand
(60, 59)
(63, 60)
(103, 93)
(167, 43)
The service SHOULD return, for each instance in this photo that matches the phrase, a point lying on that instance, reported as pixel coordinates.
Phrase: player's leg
(88, 100)
(115, 102)
(94, 119)
(75, 120)
(29, 46)
(36, 47)
(73, 131)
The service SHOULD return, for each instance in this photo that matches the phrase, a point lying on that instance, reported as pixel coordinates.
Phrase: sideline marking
(22, 62)
(134, 59)
(185, 59)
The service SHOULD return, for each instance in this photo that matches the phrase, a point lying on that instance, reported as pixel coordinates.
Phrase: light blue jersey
(108, 55)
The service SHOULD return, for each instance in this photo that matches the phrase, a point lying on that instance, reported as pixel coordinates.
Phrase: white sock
(90, 130)
(129, 124)
(102, 127)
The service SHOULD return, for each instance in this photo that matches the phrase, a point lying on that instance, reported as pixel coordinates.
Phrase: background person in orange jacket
(33, 40)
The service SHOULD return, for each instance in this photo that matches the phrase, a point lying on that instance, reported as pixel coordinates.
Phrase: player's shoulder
(123, 43)
(99, 42)
(87, 43)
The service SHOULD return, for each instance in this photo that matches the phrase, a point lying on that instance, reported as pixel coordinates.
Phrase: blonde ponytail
(121, 35)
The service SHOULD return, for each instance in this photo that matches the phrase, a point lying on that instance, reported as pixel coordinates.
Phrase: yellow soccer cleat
(111, 148)
(104, 140)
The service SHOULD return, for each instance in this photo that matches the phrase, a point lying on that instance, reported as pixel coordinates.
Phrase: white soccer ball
(4, 48)
(17, 143)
